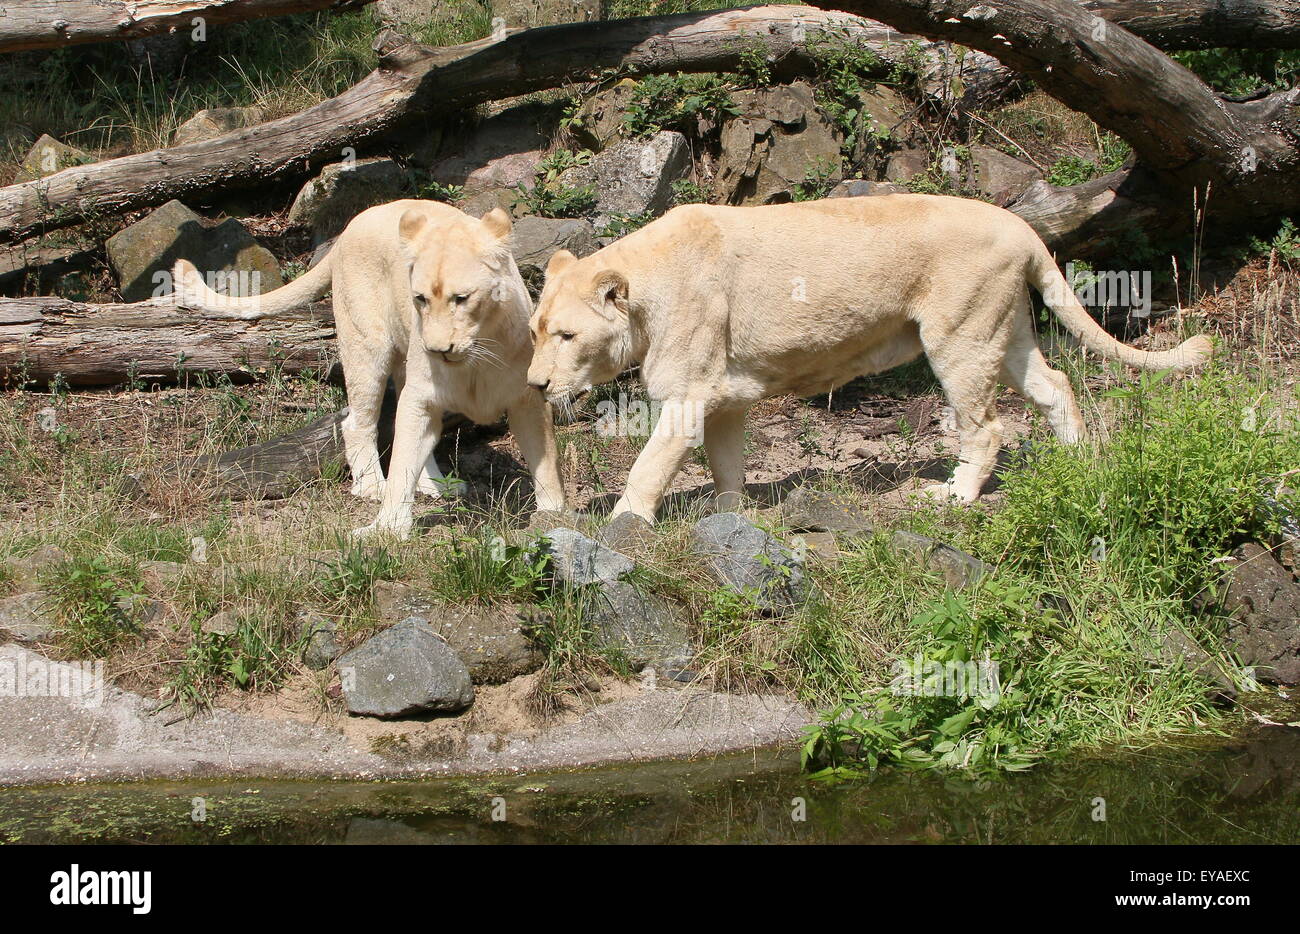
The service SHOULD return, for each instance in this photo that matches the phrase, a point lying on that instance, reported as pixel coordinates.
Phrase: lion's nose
(539, 384)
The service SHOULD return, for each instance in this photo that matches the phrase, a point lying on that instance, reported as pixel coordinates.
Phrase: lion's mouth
(453, 358)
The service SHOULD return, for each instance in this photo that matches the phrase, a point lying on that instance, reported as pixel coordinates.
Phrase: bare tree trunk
(416, 83)
(101, 345)
(52, 24)
(1206, 24)
(1186, 138)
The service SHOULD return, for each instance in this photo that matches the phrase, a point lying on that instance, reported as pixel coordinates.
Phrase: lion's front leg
(415, 435)
(534, 429)
(657, 463)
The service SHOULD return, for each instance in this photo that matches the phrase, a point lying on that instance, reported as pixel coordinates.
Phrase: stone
(343, 190)
(535, 240)
(748, 560)
(224, 623)
(1000, 176)
(160, 576)
(1263, 600)
(322, 645)
(634, 176)
(490, 640)
(821, 546)
(861, 188)
(598, 123)
(627, 533)
(1178, 647)
(810, 510)
(487, 200)
(906, 164)
(778, 137)
(28, 617)
(957, 568)
(25, 572)
(218, 121)
(48, 156)
(638, 624)
(406, 669)
(578, 560)
(233, 262)
(500, 152)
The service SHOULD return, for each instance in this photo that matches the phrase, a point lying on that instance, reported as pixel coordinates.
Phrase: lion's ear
(497, 222)
(560, 261)
(611, 293)
(412, 222)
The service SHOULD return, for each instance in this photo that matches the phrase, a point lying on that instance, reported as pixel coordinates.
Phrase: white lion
(724, 306)
(430, 296)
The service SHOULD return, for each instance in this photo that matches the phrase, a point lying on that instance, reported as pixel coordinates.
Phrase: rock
(28, 617)
(638, 624)
(957, 568)
(322, 642)
(1179, 647)
(161, 576)
(599, 121)
(48, 156)
(627, 533)
(26, 571)
(634, 176)
(747, 559)
(343, 190)
(406, 669)
(209, 124)
(577, 560)
(906, 164)
(1263, 599)
(489, 199)
(535, 240)
(489, 640)
(501, 152)
(822, 546)
(861, 188)
(224, 623)
(810, 510)
(1003, 178)
(233, 262)
(778, 137)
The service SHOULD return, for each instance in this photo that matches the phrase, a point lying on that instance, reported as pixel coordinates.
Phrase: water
(1244, 790)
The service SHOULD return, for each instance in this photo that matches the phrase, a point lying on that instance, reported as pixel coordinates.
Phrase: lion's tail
(193, 292)
(1047, 278)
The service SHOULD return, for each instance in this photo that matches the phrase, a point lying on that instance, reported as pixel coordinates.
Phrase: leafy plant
(667, 102)
(548, 196)
(94, 602)
(818, 180)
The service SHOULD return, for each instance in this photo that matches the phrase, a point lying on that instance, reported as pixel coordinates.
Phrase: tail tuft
(1192, 353)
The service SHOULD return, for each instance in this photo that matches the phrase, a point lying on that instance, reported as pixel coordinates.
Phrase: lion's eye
(460, 299)
(566, 335)
(420, 301)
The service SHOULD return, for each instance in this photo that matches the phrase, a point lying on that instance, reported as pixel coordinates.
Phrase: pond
(1238, 790)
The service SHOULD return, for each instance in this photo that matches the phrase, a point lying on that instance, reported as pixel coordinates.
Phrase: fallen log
(413, 83)
(53, 24)
(152, 341)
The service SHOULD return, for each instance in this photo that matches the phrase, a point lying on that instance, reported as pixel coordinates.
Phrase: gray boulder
(861, 188)
(957, 568)
(489, 199)
(810, 510)
(489, 640)
(640, 625)
(224, 623)
(343, 190)
(627, 533)
(778, 137)
(599, 122)
(233, 262)
(322, 642)
(634, 176)
(406, 669)
(25, 572)
(28, 617)
(535, 240)
(745, 558)
(1263, 599)
(578, 560)
(48, 156)
(501, 152)
(1000, 176)
(218, 121)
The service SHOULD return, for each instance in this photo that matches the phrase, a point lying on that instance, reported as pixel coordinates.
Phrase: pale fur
(724, 306)
(467, 356)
